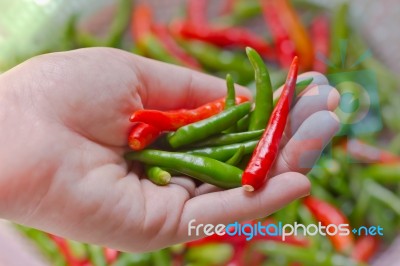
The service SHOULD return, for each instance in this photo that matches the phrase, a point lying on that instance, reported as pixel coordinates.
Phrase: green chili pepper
(231, 138)
(383, 173)
(205, 169)
(223, 153)
(237, 157)
(300, 86)
(161, 257)
(214, 58)
(230, 100)
(243, 124)
(339, 36)
(213, 125)
(120, 23)
(131, 259)
(211, 254)
(384, 195)
(303, 254)
(96, 255)
(263, 101)
(158, 175)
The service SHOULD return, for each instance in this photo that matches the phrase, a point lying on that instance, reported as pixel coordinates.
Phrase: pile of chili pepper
(230, 143)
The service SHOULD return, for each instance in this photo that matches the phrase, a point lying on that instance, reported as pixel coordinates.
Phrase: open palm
(65, 120)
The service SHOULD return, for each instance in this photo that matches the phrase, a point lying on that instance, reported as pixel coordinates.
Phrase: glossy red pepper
(297, 32)
(111, 255)
(328, 214)
(173, 48)
(320, 36)
(223, 37)
(365, 248)
(141, 24)
(286, 49)
(264, 155)
(65, 251)
(172, 120)
(142, 135)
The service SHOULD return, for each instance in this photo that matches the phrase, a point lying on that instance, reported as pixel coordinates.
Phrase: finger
(238, 205)
(167, 86)
(306, 145)
(184, 182)
(318, 79)
(316, 98)
(206, 188)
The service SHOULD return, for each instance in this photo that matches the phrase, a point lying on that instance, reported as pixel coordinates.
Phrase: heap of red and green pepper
(189, 129)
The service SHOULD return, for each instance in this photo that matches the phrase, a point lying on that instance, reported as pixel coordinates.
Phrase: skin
(65, 120)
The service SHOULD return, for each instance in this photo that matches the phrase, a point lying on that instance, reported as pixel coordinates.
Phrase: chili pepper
(208, 127)
(237, 157)
(369, 154)
(284, 45)
(339, 35)
(263, 100)
(365, 248)
(141, 25)
(223, 153)
(231, 138)
(243, 124)
(120, 23)
(212, 254)
(214, 58)
(96, 255)
(303, 254)
(111, 255)
(173, 48)
(161, 258)
(383, 173)
(65, 251)
(142, 135)
(300, 86)
(297, 32)
(384, 195)
(158, 175)
(264, 155)
(146, 41)
(197, 12)
(320, 38)
(329, 214)
(172, 120)
(223, 37)
(204, 169)
(231, 95)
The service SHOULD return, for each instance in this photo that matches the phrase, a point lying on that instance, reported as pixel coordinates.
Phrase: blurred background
(353, 42)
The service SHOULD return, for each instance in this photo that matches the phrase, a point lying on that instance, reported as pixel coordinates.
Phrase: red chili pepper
(369, 154)
(65, 251)
(197, 12)
(365, 248)
(320, 37)
(172, 120)
(111, 255)
(223, 37)
(296, 31)
(264, 155)
(173, 48)
(142, 135)
(141, 24)
(328, 214)
(285, 46)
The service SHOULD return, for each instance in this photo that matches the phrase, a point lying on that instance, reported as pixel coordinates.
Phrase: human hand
(65, 121)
